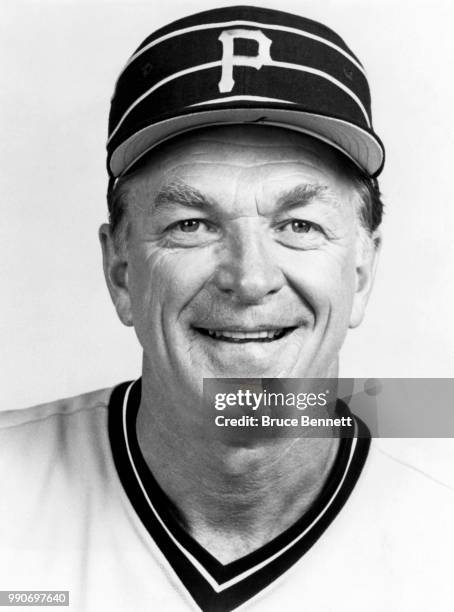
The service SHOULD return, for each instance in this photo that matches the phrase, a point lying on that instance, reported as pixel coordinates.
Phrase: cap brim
(362, 147)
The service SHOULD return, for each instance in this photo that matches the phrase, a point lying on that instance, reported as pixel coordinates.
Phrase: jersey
(80, 511)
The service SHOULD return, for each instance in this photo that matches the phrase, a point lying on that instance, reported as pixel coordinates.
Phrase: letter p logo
(227, 38)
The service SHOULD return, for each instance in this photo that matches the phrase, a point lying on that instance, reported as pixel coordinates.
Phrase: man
(242, 243)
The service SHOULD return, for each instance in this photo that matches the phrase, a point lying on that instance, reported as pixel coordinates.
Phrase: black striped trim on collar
(212, 585)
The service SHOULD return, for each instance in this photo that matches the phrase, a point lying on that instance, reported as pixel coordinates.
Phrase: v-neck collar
(212, 585)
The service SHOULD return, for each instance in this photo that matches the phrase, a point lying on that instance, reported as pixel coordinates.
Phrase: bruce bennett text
(267, 421)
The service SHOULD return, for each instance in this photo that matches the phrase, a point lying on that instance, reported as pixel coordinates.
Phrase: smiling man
(242, 253)
(242, 243)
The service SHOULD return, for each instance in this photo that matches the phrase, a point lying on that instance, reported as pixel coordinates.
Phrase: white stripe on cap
(255, 24)
(327, 76)
(240, 99)
(159, 84)
(209, 65)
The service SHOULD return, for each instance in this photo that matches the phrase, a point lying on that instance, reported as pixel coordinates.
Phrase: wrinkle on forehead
(244, 156)
(258, 164)
(261, 201)
(242, 151)
(253, 145)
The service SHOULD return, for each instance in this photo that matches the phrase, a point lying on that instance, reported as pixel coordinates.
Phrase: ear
(366, 265)
(115, 264)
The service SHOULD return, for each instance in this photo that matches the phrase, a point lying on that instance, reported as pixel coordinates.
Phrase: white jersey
(80, 511)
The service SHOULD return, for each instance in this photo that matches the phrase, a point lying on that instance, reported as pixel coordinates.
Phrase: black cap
(242, 65)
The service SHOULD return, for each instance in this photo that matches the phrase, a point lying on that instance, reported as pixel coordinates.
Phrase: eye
(191, 233)
(189, 225)
(300, 234)
(301, 227)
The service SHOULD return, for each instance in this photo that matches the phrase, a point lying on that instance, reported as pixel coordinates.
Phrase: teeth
(240, 335)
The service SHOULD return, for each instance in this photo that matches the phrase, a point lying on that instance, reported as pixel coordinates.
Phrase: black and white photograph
(228, 263)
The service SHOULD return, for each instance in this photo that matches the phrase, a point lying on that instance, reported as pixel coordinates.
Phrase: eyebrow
(179, 193)
(303, 194)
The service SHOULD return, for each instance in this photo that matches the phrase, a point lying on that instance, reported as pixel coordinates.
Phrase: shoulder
(59, 436)
(402, 474)
(56, 468)
(394, 534)
(404, 502)
(432, 458)
(50, 411)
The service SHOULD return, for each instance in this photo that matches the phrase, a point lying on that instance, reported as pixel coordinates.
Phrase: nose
(248, 269)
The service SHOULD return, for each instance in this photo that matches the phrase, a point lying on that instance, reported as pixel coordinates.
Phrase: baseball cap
(236, 65)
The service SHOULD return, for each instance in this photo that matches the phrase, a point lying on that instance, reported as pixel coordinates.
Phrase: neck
(231, 497)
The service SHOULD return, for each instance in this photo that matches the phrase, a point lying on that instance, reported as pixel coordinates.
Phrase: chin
(252, 370)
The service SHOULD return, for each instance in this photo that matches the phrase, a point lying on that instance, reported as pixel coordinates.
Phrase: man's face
(245, 257)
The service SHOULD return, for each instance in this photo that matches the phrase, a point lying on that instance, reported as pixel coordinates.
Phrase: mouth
(241, 336)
